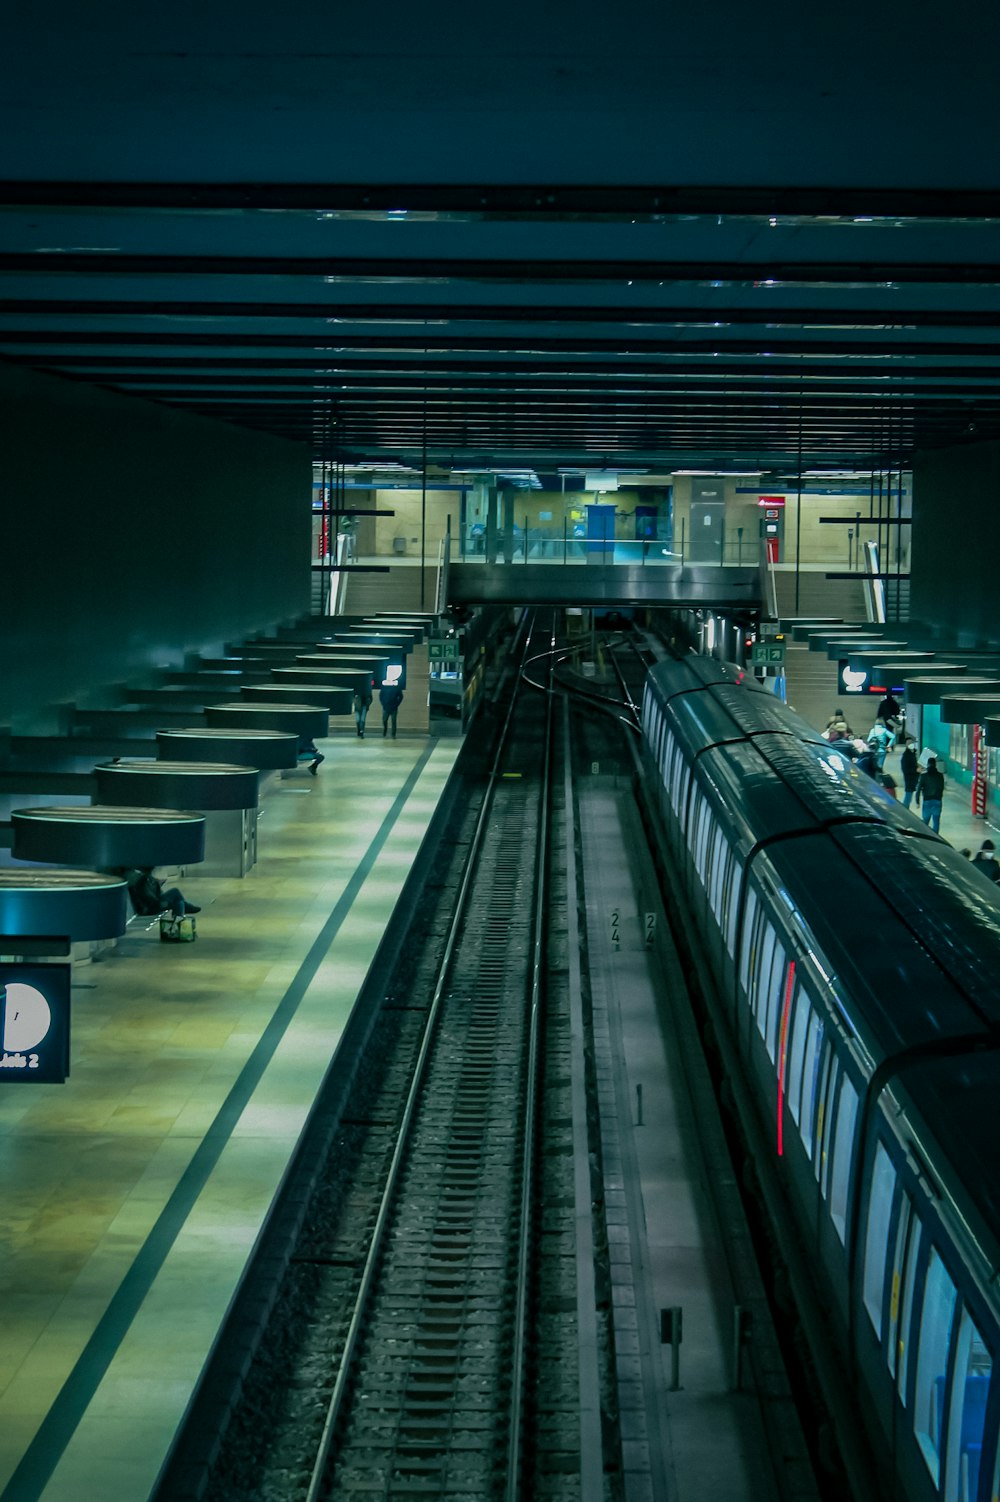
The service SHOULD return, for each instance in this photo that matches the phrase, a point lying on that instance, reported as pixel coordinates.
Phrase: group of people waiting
(923, 780)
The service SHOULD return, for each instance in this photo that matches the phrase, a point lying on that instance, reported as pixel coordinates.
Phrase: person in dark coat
(889, 712)
(390, 697)
(910, 768)
(985, 861)
(930, 793)
(361, 704)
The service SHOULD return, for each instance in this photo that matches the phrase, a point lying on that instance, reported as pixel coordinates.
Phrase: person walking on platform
(881, 740)
(361, 704)
(910, 769)
(985, 860)
(390, 697)
(930, 793)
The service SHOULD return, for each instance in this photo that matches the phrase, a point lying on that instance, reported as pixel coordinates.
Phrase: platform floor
(134, 1192)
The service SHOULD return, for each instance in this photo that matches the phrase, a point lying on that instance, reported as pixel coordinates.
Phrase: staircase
(839, 599)
(399, 589)
(811, 677)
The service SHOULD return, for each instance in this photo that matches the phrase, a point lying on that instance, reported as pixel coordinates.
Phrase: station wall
(133, 535)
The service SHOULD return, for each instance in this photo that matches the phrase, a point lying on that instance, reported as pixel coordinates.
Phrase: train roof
(947, 905)
(902, 996)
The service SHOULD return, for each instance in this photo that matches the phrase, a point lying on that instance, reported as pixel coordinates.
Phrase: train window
(705, 846)
(706, 826)
(893, 1344)
(826, 1094)
(734, 878)
(810, 1079)
(667, 754)
(883, 1186)
(749, 945)
(683, 783)
(936, 1314)
(906, 1317)
(776, 1001)
(970, 1385)
(843, 1154)
(682, 779)
(793, 1074)
(763, 975)
(694, 826)
(719, 852)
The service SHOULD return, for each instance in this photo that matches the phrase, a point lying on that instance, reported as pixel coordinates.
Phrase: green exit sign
(767, 654)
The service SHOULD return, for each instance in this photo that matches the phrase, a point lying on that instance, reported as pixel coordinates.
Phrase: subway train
(855, 960)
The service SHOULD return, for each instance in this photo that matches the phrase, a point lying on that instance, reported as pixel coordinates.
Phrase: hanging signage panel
(34, 1024)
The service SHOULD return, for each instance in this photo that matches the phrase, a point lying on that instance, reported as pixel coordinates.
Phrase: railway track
(426, 1336)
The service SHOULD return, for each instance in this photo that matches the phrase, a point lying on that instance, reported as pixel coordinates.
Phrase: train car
(855, 959)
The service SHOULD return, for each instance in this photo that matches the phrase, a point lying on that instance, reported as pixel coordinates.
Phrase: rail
(320, 1475)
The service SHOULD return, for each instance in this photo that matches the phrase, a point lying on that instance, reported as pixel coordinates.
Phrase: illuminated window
(732, 899)
(883, 1186)
(843, 1153)
(906, 1318)
(970, 1386)
(749, 945)
(936, 1314)
(762, 975)
(810, 1080)
(796, 1054)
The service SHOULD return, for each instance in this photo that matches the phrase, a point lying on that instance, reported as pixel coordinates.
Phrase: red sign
(770, 500)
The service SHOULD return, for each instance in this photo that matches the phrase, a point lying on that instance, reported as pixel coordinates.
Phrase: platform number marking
(616, 939)
(649, 928)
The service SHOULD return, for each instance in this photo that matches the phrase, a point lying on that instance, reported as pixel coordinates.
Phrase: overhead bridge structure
(683, 586)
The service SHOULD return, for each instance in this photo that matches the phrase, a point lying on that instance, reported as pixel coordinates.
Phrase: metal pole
(798, 512)
(423, 506)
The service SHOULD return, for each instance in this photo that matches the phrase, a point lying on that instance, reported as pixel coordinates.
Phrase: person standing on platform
(361, 704)
(889, 712)
(911, 771)
(930, 793)
(390, 697)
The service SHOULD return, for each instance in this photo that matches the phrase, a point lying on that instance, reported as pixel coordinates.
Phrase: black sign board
(34, 1024)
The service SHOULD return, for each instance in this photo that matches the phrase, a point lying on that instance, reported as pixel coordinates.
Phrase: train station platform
(134, 1193)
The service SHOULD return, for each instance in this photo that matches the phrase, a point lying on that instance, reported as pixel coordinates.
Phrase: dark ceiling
(234, 217)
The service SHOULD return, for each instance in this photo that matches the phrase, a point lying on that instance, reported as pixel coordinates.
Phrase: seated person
(149, 897)
(308, 751)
